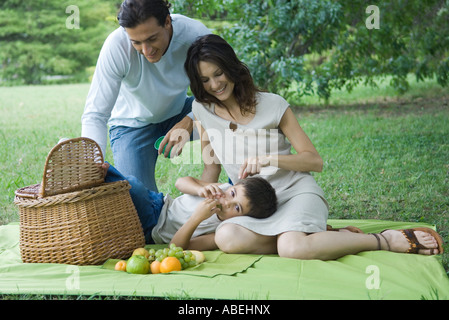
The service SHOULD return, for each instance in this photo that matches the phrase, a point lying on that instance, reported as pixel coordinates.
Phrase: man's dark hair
(135, 12)
(261, 195)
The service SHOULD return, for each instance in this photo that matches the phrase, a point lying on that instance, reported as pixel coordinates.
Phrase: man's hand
(176, 138)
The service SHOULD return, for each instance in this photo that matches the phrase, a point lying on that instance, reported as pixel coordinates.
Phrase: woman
(251, 132)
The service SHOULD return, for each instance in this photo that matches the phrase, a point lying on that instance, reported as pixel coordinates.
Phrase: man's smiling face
(151, 39)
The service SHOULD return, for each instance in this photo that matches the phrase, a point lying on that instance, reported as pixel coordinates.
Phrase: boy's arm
(183, 237)
(196, 187)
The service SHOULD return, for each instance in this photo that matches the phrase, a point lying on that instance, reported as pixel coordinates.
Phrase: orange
(120, 265)
(155, 267)
(170, 264)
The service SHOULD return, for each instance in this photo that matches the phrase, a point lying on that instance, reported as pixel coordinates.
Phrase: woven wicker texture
(83, 227)
(72, 165)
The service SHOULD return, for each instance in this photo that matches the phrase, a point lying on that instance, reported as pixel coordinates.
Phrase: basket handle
(72, 165)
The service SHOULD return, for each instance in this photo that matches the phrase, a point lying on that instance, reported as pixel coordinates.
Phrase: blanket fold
(367, 275)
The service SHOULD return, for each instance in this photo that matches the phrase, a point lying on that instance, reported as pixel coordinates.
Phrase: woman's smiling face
(215, 81)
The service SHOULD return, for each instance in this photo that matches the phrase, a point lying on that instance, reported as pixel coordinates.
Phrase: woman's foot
(409, 241)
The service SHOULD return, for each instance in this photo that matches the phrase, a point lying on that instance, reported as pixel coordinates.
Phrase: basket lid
(29, 191)
(71, 165)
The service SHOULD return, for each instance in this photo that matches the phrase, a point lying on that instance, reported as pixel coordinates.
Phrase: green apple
(138, 264)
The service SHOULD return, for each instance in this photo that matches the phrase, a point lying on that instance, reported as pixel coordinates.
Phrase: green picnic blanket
(367, 275)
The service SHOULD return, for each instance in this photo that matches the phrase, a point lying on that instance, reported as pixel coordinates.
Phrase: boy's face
(150, 39)
(233, 203)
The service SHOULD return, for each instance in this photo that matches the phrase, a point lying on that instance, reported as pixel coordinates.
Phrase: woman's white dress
(301, 203)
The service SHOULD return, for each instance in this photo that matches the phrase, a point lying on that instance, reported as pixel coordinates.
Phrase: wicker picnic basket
(73, 216)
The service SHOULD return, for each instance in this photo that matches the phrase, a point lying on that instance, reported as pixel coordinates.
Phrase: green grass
(386, 157)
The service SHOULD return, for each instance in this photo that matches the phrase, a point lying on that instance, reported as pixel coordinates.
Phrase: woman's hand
(253, 165)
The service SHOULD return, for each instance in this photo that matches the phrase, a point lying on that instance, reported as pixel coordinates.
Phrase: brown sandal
(415, 246)
(414, 243)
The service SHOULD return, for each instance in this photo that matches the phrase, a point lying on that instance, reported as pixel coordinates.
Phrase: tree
(297, 47)
(39, 38)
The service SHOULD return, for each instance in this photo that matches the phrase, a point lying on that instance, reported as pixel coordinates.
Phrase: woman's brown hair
(214, 49)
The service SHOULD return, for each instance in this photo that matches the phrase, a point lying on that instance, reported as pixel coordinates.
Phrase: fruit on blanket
(120, 265)
(138, 264)
(155, 267)
(141, 252)
(186, 258)
(152, 253)
(189, 259)
(199, 256)
(170, 264)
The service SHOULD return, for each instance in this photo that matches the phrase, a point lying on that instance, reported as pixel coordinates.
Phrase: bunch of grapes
(186, 258)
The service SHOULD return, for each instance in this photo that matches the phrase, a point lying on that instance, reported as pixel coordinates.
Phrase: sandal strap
(378, 241)
(414, 244)
(388, 244)
(379, 245)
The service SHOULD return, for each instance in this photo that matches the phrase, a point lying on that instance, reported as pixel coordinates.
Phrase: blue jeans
(148, 203)
(133, 148)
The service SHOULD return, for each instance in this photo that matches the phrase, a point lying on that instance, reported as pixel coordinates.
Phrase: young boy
(191, 219)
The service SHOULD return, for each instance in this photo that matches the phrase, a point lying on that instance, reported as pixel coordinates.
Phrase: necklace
(226, 114)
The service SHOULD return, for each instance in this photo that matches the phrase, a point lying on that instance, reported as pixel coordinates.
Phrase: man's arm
(109, 72)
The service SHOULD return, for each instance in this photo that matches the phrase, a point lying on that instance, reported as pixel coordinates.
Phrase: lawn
(385, 156)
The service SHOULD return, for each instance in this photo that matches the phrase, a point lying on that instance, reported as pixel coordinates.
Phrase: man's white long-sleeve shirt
(128, 90)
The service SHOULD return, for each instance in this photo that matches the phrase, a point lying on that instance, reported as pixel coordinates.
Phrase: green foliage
(297, 47)
(39, 38)
(293, 47)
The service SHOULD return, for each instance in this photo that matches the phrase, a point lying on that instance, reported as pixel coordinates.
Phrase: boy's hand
(206, 209)
(210, 192)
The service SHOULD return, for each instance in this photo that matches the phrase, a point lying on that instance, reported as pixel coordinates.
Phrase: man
(139, 87)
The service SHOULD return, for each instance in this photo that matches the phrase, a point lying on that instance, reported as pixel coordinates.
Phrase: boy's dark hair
(135, 12)
(261, 195)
